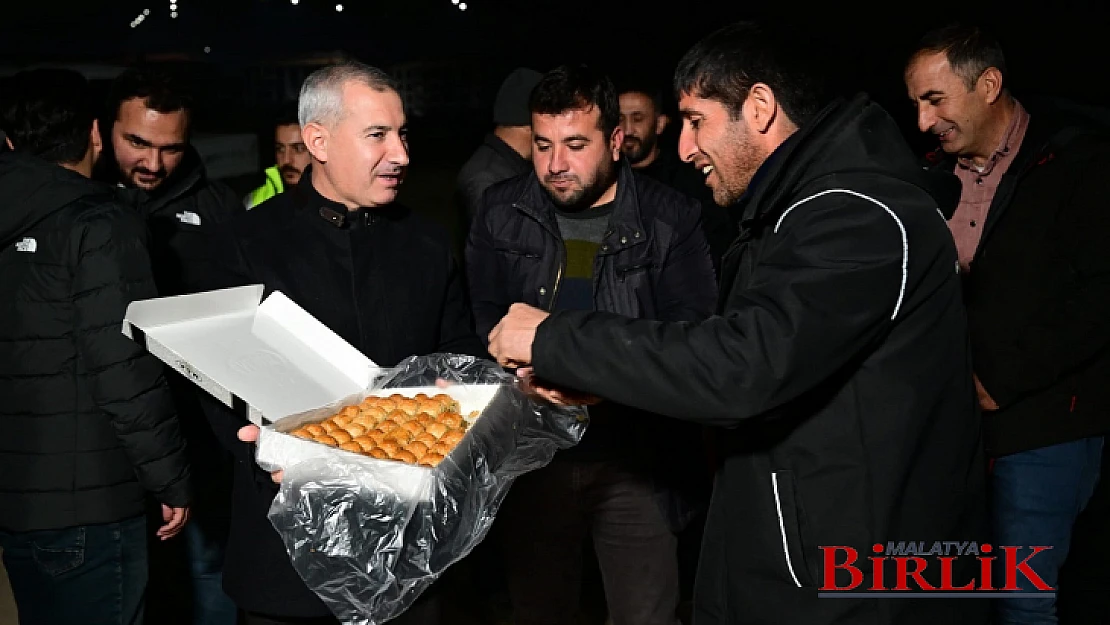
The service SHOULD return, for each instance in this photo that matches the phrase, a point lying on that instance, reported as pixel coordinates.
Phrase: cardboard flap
(272, 355)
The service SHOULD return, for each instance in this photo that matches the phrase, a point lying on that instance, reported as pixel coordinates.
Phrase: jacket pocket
(516, 250)
(788, 514)
(59, 552)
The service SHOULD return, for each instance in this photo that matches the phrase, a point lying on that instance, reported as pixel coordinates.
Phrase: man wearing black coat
(88, 422)
(159, 174)
(378, 275)
(837, 371)
(583, 231)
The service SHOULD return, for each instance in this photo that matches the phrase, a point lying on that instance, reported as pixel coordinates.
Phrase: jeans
(1037, 496)
(90, 574)
(205, 538)
(550, 512)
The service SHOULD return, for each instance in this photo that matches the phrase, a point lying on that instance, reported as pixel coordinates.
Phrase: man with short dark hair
(584, 232)
(643, 120)
(162, 177)
(89, 424)
(1031, 230)
(837, 371)
(291, 158)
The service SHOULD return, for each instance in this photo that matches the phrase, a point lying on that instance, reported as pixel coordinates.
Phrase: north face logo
(27, 245)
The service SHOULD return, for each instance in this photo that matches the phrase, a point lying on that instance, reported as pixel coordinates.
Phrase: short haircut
(321, 99)
(969, 49)
(576, 87)
(654, 93)
(725, 65)
(159, 90)
(49, 113)
(287, 115)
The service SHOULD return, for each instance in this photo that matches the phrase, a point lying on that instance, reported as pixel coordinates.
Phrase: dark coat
(386, 282)
(491, 163)
(88, 422)
(1038, 290)
(838, 373)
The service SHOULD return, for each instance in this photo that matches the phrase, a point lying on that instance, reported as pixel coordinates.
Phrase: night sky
(1057, 48)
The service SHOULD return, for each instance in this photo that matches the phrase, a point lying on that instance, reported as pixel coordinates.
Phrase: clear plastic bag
(369, 548)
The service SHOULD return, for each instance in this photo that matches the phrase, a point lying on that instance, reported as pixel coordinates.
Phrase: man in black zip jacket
(88, 423)
(380, 276)
(837, 371)
(159, 174)
(1031, 230)
(584, 232)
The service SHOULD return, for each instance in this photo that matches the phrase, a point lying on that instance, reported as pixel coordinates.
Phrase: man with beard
(162, 177)
(377, 274)
(584, 232)
(837, 371)
(291, 158)
(643, 121)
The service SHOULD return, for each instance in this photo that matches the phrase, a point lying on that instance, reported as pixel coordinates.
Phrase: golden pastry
(417, 449)
(356, 430)
(351, 446)
(327, 440)
(436, 429)
(388, 426)
(377, 435)
(427, 438)
(329, 426)
(366, 443)
(301, 433)
(386, 404)
(397, 397)
(400, 416)
(401, 435)
(452, 437)
(315, 429)
(389, 447)
(373, 412)
(431, 459)
(408, 405)
(440, 448)
(366, 421)
(378, 453)
(421, 397)
(341, 436)
(450, 419)
(405, 456)
(425, 418)
(448, 402)
(342, 420)
(414, 427)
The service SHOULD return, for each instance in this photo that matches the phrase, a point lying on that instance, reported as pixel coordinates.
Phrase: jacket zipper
(558, 279)
(782, 529)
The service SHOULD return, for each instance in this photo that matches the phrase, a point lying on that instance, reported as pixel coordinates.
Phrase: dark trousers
(550, 512)
(90, 574)
(1038, 495)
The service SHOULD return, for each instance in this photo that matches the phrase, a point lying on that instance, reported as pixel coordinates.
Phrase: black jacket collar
(337, 215)
(518, 163)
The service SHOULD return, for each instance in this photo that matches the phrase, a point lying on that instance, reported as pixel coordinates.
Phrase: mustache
(560, 178)
(289, 169)
(161, 173)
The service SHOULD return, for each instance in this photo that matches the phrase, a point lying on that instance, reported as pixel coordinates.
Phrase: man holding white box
(371, 270)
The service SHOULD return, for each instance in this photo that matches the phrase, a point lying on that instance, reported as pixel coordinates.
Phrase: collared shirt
(980, 185)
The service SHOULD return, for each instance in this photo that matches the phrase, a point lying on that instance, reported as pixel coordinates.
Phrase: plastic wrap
(369, 536)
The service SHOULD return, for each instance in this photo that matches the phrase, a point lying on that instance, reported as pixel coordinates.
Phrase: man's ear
(661, 123)
(615, 141)
(315, 137)
(96, 142)
(760, 108)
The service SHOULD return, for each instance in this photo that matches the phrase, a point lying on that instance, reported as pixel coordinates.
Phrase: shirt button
(604, 248)
(543, 290)
(978, 181)
(972, 224)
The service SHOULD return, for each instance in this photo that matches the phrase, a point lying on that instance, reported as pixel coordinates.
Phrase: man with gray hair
(377, 274)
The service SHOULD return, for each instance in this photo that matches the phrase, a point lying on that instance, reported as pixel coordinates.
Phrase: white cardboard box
(282, 368)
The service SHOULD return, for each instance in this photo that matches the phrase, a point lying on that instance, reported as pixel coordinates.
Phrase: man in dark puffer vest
(88, 421)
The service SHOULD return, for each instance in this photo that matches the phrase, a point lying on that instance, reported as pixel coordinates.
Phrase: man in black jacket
(583, 232)
(1031, 229)
(504, 153)
(378, 275)
(643, 121)
(838, 370)
(163, 178)
(89, 425)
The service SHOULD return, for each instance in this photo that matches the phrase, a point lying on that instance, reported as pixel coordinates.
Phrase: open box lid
(266, 358)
